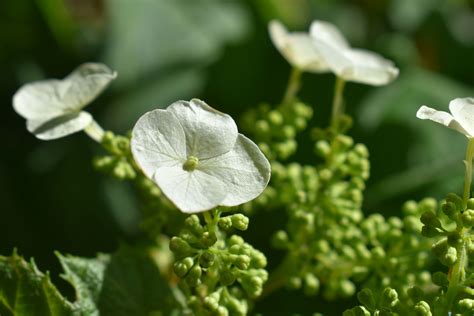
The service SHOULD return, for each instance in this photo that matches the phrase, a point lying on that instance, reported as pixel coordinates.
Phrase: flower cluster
(325, 49)
(53, 108)
(219, 273)
(198, 159)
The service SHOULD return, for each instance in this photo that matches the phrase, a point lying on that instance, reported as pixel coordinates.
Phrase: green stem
(294, 85)
(95, 131)
(468, 174)
(456, 272)
(337, 103)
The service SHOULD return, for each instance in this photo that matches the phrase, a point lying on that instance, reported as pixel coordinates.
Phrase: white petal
(86, 83)
(59, 126)
(328, 34)
(244, 171)
(191, 192)
(441, 117)
(47, 99)
(463, 111)
(40, 100)
(158, 140)
(209, 133)
(368, 67)
(297, 48)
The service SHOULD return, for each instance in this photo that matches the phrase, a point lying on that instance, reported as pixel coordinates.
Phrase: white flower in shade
(461, 118)
(197, 158)
(297, 48)
(53, 108)
(350, 64)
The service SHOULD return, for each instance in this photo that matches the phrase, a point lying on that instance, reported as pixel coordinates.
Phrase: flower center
(191, 163)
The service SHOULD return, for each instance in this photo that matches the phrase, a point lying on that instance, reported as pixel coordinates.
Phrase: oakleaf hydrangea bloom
(297, 48)
(53, 108)
(350, 64)
(461, 118)
(197, 157)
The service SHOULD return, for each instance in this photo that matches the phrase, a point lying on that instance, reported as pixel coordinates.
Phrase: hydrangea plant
(200, 182)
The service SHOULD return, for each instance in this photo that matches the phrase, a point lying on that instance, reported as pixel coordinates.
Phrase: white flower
(461, 118)
(197, 158)
(297, 48)
(53, 108)
(348, 63)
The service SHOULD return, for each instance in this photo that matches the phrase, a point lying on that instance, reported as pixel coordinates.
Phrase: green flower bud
(428, 205)
(275, 118)
(470, 203)
(325, 174)
(378, 253)
(440, 279)
(361, 150)
(193, 224)
(300, 123)
(449, 208)
(410, 208)
(430, 219)
(236, 240)
(262, 127)
(211, 302)
(237, 307)
(294, 283)
(222, 311)
(347, 288)
(252, 285)
(359, 311)
(242, 262)
(311, 284)
(303, 110)
(225, 223)
(182, 267)
(206, 259)
(192, 278)
(366, 298)
(456, 200)
(343, 141)
(240, 221)
(289, 131)
(226, 278)
(466, 305)
(467, 218)
(259, 260)
(322, 148)
(179, 246)
(422, 309)
(450, 257)
(208, 239)
(389, 297)
(280, 240)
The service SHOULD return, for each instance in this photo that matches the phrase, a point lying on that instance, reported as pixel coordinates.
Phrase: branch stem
(294, 85)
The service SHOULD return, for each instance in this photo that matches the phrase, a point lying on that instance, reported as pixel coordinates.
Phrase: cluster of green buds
(118, 162)
(323, 204)
(275, 129)
(219, 272)
(452, 228)
(388, 302)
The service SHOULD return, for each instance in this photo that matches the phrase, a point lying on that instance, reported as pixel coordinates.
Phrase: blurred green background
(219, 51)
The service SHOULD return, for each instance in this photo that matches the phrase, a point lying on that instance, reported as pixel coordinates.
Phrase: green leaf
(125, 283)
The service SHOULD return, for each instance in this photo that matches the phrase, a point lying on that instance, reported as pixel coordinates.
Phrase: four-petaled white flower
(197, 157)
(297, 48)
(325, 49)
(461, 118)
(53, 108)
(350, 64)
